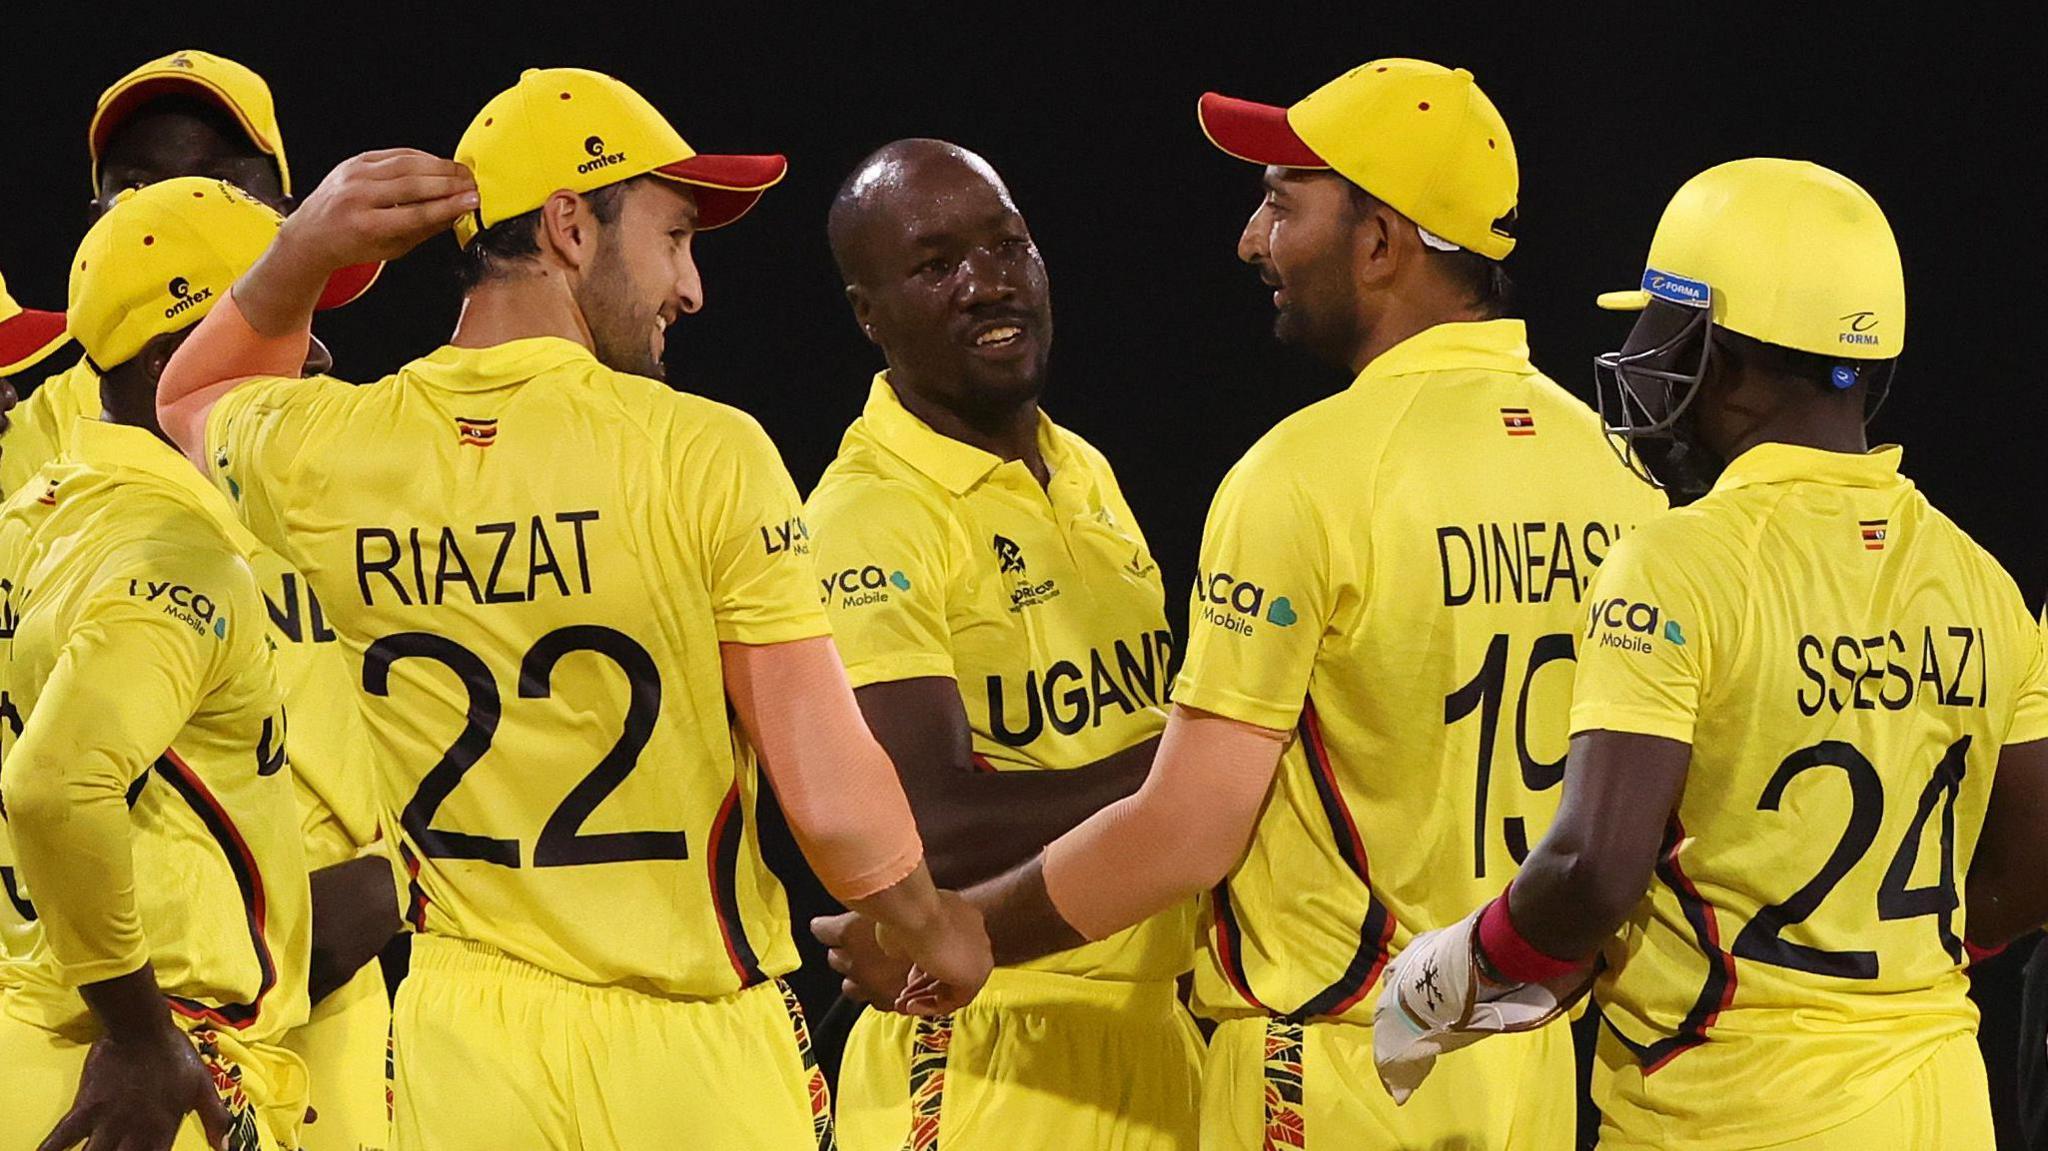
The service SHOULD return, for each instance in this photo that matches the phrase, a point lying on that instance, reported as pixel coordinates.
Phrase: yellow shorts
(1273, 1085)
(345, 1047)
(264, 1087)
(1943, 1106)
(492, 1053)
(1038, 1060)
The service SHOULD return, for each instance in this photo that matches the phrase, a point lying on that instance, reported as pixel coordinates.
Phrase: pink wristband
(1513, 957)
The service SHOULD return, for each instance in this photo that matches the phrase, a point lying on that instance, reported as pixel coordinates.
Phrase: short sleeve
(1648, 635)
(1262, 598)
(254, 437)
(2030, 712)
(757, 548)
(880, 553)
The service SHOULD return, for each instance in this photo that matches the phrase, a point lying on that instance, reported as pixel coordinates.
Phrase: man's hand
(1434, 999)
(134, 1092)
(374, 207)
(949, 954)
(378, 206)
(869, 974)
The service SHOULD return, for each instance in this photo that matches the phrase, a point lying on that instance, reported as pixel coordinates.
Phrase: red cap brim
(348, 284)
(110, 118)
(1258, 133)
(29, 337)
(726, 187)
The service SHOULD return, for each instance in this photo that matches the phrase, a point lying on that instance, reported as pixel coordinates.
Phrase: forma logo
(183, 298)
(1677, 289)
(599, 158)
(1859, 324)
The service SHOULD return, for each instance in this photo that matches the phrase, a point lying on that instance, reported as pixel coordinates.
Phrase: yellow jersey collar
(1478, 345)
(955, 466)
(107, 446)
(1773, 463)
(483, 369)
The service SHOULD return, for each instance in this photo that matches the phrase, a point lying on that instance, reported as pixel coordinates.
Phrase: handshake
(933, 967)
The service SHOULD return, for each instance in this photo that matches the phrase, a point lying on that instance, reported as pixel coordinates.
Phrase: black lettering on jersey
(1103, 687)
(301, 611)
(419, 571)
(380, 551)
(365, 565)
(269, 746)
(1521, 561)
(1810, 650)
(458, 569)
(1076, 698)
(1865, 673)
(1072, 699)
(1956, 698)
(537, 542)
(506, 532)
(576, 520)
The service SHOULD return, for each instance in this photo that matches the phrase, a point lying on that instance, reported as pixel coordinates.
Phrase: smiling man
(1004, 627)
(556, 576)
(1369, 727)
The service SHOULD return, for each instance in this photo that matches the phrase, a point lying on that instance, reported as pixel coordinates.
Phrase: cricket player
(555, 575)
(190, 113)
(1810, 730)
(160, 933)
(1368, 730)
(28, 336)
(1004, 627)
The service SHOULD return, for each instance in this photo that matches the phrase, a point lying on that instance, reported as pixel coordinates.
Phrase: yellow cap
(164, 256)
(1783, 251)
(1420, 137)
(26, 335)
(234, 87)
(570, 129)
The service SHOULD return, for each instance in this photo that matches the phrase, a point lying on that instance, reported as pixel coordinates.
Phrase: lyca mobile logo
(599, 158)
(1631, 625)
(1234, 604)
(192, 608)
(862, 585)
(184, 299)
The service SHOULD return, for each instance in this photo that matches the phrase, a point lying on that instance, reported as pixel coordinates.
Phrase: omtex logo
(599, 157)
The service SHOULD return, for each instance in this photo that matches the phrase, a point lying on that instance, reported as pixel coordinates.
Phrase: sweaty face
(1299, 239)
(642, 277)
(173, 138)
(953, 287)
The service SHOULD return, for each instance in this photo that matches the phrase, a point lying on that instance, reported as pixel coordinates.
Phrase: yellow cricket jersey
(328, 746)
(39, 428)
(936, 558)
(531, 561)
(1397, 575)
(138, 685)
(1846, 664)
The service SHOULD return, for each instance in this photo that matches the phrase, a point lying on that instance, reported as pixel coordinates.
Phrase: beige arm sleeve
(221, 354)
(836, 784)
(1179, 835)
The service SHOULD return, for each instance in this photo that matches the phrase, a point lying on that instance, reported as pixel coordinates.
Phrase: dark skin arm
(141, 1077)
(355, 913)
(1595, 863)
(977, 824)
(2006, 894)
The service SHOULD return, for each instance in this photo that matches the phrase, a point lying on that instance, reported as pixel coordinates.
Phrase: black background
(1163, 355)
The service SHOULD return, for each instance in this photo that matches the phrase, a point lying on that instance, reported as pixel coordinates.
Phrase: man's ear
(568, 229)
(863, 311)
(1376, 244)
